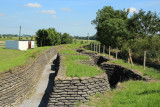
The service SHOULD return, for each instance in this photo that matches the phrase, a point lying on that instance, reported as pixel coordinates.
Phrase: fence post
(90, 46)
(99, 48)
(109, 51)
(103, 48)
(144, 63)
(94, 47)
(116, 53)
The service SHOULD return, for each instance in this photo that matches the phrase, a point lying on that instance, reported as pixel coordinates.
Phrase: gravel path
(44, 88)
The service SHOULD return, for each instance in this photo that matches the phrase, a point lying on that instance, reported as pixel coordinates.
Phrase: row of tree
(50, 37)
(139, 32)
(85, 37)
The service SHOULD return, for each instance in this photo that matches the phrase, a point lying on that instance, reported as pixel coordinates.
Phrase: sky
(70, 16)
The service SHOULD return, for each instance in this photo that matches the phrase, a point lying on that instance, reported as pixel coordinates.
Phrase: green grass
(15, 38)
(12, 58)
(73, 67)
(151, 72)
(131, 94)
(70, 49)
(76, 69)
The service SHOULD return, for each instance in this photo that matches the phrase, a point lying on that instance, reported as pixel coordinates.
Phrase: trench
(116, 73)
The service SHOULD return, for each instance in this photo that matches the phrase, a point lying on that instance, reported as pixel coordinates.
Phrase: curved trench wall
(69, 90)
(116, 73)
(17, 85)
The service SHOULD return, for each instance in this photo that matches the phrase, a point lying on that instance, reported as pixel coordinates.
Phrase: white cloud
(132, 10)
(34, 5)
(66, 9)
(54, 16)
(1, 14)
(49, 11)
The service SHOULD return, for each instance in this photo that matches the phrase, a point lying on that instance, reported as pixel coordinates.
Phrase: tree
(58, 39)
(51, 35)
(143, 24)
(42, 38)
(66, 39)
(111, 26)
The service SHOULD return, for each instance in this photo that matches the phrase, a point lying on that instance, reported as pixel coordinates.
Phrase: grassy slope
(73, 67)
(11, 58)
(151, 72)
(131, 94)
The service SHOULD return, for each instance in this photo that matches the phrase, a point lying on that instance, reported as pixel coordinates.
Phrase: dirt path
(44, 88)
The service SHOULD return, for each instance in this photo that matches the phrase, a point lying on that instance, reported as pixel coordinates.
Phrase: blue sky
(71, 16)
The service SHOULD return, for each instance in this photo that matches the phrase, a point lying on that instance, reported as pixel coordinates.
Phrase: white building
(19, 45)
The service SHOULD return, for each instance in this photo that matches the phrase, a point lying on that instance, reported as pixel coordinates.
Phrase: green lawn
(73, 67)
(151, 72)
(76, 69)
(15, 38)
(10, 58)
(131, 94)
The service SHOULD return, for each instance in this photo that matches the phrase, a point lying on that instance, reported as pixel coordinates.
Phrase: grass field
(10, 58)
(131, 94)
(73, 67)
(150, 72)
(14, 38)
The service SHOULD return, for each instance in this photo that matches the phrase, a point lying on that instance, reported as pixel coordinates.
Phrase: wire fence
(131, 56)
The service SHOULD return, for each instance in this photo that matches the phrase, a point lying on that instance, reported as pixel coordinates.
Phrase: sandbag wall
(69, 90)
(16, 85)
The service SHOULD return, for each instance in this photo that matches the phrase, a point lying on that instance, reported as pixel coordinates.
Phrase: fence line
(97, 48)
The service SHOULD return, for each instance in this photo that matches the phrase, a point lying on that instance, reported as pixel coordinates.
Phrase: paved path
(44, 88)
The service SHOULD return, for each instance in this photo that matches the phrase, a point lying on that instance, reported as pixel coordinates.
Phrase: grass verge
(73, 67)
(10, 58)
(151, 72)
(76, 69)
(131, 94)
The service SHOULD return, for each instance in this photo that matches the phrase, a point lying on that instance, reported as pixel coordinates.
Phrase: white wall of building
(23, 45)
(19, 45)
(10, 44)
(32, 44)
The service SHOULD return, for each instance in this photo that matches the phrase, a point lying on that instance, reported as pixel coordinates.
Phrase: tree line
(138, 32)
(85, 37)
(50, 37)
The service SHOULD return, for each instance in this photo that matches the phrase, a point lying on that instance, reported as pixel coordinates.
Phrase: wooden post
(99, 48)
(109, 51)
(130, 57)
(103, 49)
(94, 47)
(144, 63)
(90, 46)
(116, 53)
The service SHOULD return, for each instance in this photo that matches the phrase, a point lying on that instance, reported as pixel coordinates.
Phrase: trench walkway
(41, 95)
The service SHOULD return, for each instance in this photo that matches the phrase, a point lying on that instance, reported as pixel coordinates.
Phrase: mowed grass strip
(76, 69)
(70, 49)
(151, 72)
(131, 94)
(10, 58)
